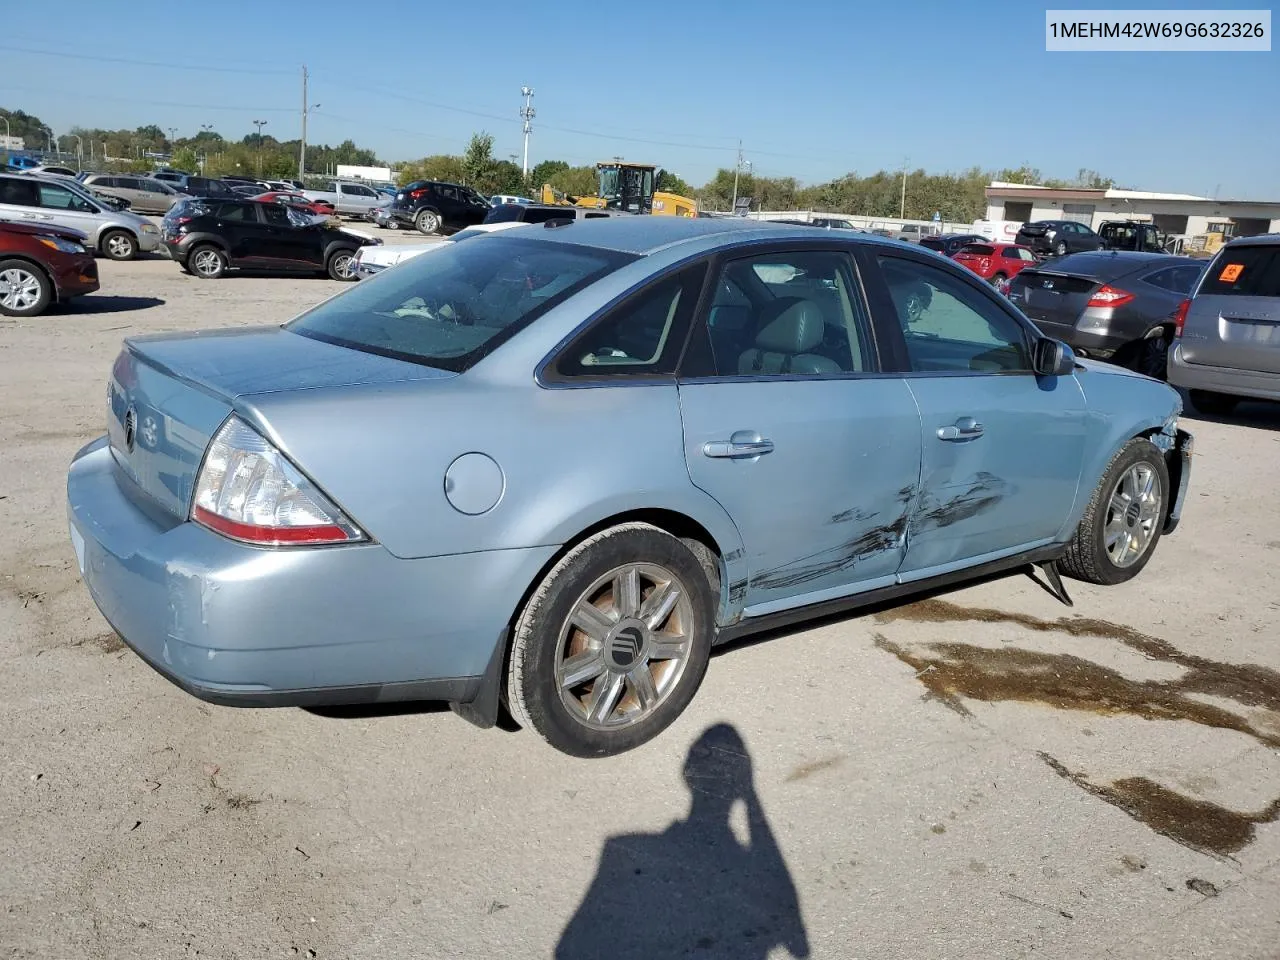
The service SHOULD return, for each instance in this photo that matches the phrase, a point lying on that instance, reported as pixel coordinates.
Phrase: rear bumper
(1089, 343)
(1228, 380)
(246, 626)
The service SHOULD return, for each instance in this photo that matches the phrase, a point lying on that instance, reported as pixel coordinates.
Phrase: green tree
(1024, 174)
(478, 162)
(575, 181)
(184, 158)
(438, 167)
(671, 183)
(544, 171)
(27, 126)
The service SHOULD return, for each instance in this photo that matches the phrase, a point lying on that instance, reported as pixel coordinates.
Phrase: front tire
(1124, 519)
(342, 265)
(614, 643)
(427, 221)
(1061, 249)
(1214, 404)
(119, 245)
(25, 291)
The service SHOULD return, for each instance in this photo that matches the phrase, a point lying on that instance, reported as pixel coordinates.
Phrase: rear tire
(613, 644)
(25, 290)
(427, 221)
(997, 279)
(1151, 358)
(207, 262)
(1214, 404)
(1124, 519)
(1061, 249)
(118, 245)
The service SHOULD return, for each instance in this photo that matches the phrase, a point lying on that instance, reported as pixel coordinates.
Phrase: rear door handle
(966, 428)
(737, 450)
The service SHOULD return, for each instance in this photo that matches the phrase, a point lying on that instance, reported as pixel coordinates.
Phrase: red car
(40, 265)
(997, 262)
(319, 208)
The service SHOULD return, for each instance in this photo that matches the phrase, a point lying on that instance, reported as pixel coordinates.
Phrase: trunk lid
(168, 395)
(1234, 319)
(1050, 296)
(1033, 229)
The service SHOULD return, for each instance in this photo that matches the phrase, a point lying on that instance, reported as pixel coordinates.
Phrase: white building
(1176, 214)
(12, 143)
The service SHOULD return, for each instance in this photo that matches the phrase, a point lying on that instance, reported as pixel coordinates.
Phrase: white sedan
(371, 260)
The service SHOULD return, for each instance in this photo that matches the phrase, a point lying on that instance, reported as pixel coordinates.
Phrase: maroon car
(40, 265)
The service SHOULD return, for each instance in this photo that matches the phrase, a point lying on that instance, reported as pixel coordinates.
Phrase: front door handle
(737, 449)
(966, 428)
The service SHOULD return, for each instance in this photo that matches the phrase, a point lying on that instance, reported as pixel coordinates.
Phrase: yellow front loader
(627, 187)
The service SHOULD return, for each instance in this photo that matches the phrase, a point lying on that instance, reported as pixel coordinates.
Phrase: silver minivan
(1227, 336)
(117, 234)
(144, 194)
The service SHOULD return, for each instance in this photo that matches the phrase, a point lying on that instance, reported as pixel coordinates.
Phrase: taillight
(417, 193)
(1180, 317)
(1108, 296)
(248, 491)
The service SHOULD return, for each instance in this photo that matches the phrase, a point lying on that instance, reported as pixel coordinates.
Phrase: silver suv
(118, 234)
(1227, 344)
(144, 194)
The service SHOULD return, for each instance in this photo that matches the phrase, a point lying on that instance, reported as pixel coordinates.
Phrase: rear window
(455, 306)
(933, 243)
(981, 249)
(504, 213)
(536, 215)
(1244, 271)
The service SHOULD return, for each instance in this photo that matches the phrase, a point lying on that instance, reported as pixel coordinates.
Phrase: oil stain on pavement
(954, 672)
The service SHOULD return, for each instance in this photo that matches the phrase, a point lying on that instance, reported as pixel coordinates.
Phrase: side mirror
(1053, 358)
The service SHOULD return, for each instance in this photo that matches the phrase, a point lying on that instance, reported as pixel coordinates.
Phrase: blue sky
(813, 88)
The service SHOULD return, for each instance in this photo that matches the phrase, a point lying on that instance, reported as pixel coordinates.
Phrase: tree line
(956, 197)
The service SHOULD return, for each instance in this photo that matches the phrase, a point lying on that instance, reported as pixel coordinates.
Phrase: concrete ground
(983, 774)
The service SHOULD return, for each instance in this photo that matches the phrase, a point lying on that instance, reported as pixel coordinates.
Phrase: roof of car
(647, 234)
(1269, 239)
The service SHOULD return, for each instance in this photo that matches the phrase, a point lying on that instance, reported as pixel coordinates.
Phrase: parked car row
(56, 201)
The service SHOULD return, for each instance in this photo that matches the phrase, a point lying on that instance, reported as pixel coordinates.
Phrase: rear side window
(535, 215)
(643, 336)
(1244, 271)
(22, 193)
(504, 213)
(981, 249)
(1176, 279)
(455, 306)
(237, 212)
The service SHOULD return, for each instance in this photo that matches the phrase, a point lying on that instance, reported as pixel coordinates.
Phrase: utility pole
(737, 166)
(259, 124)
(902, 211)
(173, 135)
(526, 114)
(307, 107)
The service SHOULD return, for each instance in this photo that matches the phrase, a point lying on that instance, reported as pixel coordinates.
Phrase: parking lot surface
(982, 773)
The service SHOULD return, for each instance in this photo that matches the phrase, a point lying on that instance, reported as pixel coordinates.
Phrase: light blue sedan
(546, 471)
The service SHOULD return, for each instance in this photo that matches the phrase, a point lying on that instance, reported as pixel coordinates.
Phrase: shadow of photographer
(695, 889)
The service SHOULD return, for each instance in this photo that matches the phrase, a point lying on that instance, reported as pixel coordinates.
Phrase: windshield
(452, 308)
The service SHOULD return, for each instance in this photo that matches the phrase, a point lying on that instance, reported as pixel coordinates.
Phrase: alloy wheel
(625, 646)
(1133, 513)
(344, 266)
(206, 263)
(19, 289)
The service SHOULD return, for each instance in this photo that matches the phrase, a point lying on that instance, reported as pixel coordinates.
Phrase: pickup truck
(348, 199)
(1130, 235)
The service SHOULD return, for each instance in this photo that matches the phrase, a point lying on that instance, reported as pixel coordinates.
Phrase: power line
(154, 103)
(141, 63)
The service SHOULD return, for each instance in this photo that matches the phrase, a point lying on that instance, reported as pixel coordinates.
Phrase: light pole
(902, 210)
(53, 147)
(79, 150)
(259, 124)
(527, 114)
(737, 168)
(6, 129)
(307, 107)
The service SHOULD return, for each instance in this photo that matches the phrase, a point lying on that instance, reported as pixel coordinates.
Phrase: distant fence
(895, 224)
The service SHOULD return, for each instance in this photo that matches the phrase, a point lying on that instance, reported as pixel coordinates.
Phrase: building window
(1079, 212)
(1017, 210)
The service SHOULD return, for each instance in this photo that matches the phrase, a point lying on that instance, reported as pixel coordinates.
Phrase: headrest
(797, 329)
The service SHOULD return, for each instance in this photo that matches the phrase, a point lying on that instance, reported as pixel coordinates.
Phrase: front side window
(60, 198)
(950, 325)
(454, 307)
(798, 313)
(643, 336)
